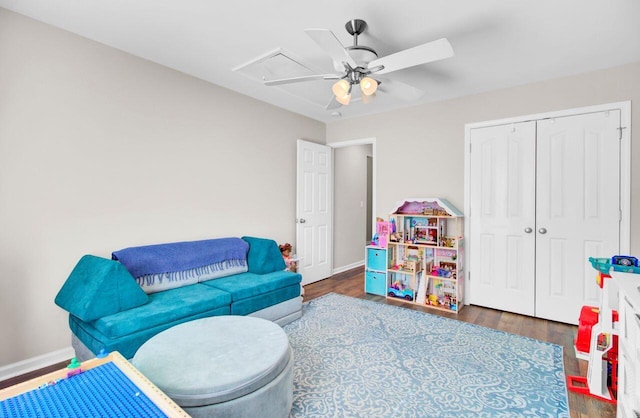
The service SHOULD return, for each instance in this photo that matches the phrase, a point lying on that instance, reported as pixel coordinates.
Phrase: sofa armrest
(264, 256)
(98, 287)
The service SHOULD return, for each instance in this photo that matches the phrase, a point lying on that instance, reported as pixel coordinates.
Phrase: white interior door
(314, 207)
(502, 195)
(578, 209)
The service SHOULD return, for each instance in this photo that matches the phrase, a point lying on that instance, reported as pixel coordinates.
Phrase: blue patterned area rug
(358, 358)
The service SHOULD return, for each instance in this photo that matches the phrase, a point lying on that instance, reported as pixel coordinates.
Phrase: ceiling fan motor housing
(361, 54)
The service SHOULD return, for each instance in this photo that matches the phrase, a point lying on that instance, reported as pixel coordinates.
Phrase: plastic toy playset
(597, 338)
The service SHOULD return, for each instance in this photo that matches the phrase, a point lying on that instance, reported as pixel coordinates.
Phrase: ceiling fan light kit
(355, 63)
(342, 89)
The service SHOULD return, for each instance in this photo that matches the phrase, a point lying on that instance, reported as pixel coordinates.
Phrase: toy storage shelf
(425, 254)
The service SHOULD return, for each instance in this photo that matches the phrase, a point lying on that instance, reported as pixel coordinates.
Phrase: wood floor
(351, 283)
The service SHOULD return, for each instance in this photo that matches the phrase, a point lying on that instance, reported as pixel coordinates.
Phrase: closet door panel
(577, 209)
(502, 192)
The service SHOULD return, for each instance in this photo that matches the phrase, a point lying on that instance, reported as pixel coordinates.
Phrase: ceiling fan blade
(333, 104)
(332, 46)
(400, 90)
(299, 79)
(421, 54)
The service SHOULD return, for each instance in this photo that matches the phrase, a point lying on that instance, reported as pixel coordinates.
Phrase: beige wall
(420, 150)
(350, 191)
(100, 150)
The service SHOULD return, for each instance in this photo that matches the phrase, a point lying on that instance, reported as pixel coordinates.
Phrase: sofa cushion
(256, 303)
(95, 341)
(264, 256)
(163, 307)
(247, 285)
(97, 287)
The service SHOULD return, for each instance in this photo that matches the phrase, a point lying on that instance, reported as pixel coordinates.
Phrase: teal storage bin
(376, 259)
(375, 283)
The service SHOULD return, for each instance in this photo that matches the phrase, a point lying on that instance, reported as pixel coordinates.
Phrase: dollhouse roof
(418, 205)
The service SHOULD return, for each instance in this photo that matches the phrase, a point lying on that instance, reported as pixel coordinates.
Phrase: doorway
(354, 201)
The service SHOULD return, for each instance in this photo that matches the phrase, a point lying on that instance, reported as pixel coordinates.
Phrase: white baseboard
(35, 363)
(348, 267)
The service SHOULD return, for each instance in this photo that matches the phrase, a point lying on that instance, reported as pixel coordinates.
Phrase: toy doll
(292, 265)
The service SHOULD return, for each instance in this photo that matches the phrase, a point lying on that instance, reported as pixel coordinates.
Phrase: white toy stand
(604, 330)
(602, 348)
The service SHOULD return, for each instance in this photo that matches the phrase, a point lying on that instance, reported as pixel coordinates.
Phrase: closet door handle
(542, 230)
(528, 230)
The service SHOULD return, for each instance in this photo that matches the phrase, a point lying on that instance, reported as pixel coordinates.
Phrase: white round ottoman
(222, 366)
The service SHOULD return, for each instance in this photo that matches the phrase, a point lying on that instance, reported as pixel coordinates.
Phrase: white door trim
(625, 167)
(374, 202)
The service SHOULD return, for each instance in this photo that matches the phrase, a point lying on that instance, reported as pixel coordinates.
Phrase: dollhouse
(424, 255)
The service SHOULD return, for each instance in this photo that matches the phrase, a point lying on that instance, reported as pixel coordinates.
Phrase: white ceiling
(497, 43)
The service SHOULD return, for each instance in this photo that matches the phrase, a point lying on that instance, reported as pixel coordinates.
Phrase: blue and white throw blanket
(166, 266)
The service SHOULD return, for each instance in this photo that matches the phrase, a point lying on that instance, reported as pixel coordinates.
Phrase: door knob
(528, 230)
(302, 220)
(542, 230)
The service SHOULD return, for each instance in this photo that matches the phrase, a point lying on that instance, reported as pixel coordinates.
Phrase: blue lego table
(101, 387)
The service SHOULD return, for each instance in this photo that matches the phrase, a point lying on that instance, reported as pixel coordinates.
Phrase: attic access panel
(281, 63)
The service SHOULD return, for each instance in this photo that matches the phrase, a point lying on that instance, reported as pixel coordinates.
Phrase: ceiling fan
(356, 65)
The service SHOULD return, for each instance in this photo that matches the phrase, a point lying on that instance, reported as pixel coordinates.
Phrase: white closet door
(577, 209)
(502, 193)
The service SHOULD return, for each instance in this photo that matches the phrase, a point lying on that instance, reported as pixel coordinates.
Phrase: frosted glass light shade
(341, 88)
(368, 86)
(344, 100)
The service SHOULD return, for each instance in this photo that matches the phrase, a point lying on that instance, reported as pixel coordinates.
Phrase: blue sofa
(118, 304)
